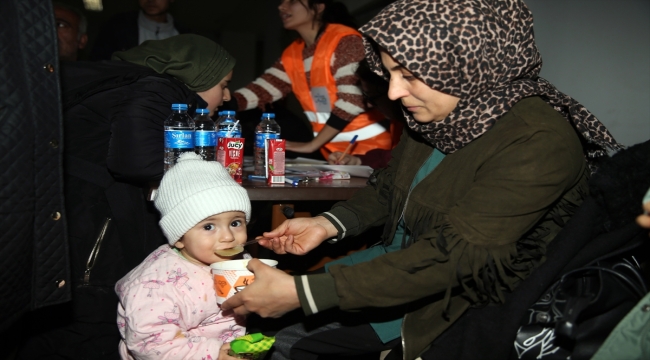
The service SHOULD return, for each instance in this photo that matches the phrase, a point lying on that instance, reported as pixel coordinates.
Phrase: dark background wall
(597, 51)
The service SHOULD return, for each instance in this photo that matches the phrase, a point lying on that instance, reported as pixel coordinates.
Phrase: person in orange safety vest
(320, 69)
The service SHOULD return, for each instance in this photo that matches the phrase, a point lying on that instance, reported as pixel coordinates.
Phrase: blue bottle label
(179, 139)
(261, 138)
(205, 138)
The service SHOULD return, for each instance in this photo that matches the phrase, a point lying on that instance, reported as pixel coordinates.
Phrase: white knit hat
(195, 189)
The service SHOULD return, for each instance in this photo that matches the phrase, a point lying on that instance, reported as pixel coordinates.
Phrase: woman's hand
(301, 147)
(272, 294)
(298, 236)
(335, 158)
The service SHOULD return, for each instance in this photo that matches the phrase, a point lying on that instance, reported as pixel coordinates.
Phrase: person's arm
(324, 136)
(512, 192)
(273, 85)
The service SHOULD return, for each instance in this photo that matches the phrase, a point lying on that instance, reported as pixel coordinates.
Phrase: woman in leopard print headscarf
(480, 51)
(488, 173)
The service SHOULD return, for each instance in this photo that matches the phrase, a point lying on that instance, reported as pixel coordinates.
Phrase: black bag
(576, 314)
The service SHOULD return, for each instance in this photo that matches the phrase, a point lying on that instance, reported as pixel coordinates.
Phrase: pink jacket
(168, 310)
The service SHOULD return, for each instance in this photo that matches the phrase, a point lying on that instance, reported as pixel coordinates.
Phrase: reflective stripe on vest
(365, 124)
(365, 133)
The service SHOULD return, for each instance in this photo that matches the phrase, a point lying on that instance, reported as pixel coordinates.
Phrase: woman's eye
(236, 223)
(408, 77)
(208, 227)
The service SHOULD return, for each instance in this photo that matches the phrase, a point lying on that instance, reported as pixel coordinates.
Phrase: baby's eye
(236, 223)
(208, 227)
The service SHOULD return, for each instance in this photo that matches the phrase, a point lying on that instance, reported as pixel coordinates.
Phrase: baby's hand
(223, 353)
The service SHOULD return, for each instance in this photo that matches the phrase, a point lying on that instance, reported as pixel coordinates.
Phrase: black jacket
(34, 257)
(121, 33)
(113, 120)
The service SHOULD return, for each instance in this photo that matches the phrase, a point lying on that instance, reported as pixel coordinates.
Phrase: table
(312, 191)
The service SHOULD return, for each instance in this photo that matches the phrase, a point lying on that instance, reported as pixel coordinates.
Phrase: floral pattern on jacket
(168, 309)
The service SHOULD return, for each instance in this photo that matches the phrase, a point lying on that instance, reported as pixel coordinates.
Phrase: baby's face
(214, 233)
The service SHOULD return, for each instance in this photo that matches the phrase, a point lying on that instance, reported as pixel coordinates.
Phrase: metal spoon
(235, 250)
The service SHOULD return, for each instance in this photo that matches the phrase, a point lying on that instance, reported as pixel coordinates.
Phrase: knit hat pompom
(195, 189)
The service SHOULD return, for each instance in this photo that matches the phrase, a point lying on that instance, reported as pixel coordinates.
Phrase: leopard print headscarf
(482, 51)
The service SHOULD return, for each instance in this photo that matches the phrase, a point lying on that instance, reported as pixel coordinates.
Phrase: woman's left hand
(301, 147)
(272, 294)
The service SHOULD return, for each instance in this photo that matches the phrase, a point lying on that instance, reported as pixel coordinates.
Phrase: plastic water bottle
(179, 135)
(219, 118)
(266, 129)
(205, 138)
(228, 126)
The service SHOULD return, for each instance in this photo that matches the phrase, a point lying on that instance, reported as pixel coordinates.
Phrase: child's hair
(193, 190)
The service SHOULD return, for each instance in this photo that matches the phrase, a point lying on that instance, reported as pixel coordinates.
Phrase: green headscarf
(195, 60)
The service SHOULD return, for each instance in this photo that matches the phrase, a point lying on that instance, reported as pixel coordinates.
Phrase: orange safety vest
(313, 97)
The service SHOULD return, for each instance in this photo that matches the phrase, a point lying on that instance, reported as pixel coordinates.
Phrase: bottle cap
(229, 112)
(179, 106)
(202, 111)
(269, 115)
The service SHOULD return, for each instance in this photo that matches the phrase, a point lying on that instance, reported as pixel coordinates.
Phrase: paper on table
(354, 170)
(303, 161)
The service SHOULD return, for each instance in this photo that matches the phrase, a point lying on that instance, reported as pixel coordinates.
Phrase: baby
(168, 307)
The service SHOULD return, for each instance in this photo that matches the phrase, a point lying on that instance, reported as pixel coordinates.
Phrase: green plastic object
(251, 346)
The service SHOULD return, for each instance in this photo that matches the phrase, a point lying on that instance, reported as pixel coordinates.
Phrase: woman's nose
(226, 94)
(395, 90)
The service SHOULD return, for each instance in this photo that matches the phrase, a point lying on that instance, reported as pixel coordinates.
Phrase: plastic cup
(231, 277)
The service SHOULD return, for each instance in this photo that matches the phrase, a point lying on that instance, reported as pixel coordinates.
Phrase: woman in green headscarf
(113, 122)
(200, 63)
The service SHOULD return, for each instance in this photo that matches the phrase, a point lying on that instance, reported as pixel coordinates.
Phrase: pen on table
(256, 177)
(292, 180)
(347, 150)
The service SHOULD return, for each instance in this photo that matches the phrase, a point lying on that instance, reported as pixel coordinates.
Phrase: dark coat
(603, 224)
(121, 33)
(34, 257)
(113, 121)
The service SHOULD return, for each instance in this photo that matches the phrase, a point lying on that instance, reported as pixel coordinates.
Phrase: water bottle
(179, 135)
(219, 118)
(228, 126)
(266, 129)
(205, 138)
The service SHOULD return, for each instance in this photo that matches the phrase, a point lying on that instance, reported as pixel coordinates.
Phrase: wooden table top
(322, 190)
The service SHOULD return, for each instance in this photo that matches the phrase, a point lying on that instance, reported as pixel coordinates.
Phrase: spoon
(235, 250)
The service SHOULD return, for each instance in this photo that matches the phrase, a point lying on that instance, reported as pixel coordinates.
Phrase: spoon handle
(250, 242)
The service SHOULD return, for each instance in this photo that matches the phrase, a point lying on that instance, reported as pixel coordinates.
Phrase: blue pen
(292, 180)
(256, 177)
(347, 150)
